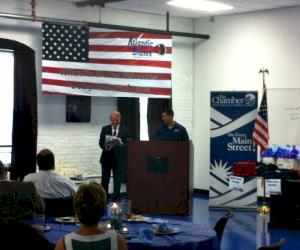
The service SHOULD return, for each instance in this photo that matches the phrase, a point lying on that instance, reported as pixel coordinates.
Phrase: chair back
(59, 207)
(221, 223)
(19, 200)
(275, 246)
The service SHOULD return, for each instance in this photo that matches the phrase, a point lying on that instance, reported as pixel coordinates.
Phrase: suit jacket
(115, 155)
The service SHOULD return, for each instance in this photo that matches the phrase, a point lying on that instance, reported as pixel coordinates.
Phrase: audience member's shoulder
(18, 235)
(29, 177)
(66, 180)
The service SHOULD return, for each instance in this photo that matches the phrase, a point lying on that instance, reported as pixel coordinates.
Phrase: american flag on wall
(261, 131)
(99, 62)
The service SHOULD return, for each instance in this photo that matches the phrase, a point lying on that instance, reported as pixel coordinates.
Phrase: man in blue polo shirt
(170, 130)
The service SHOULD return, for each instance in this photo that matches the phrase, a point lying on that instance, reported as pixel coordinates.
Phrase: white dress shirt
(52, 185)
(115, 130)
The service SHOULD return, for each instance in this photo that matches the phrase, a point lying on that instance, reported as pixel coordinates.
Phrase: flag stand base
(264, 209)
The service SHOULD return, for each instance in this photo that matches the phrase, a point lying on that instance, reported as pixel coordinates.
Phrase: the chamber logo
(250, 99)
(224, 100)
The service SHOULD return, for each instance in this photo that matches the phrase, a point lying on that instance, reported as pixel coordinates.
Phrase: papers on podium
(112, 141)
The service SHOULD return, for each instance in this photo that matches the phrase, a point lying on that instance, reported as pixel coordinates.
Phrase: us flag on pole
(261, 132)
(99, 62)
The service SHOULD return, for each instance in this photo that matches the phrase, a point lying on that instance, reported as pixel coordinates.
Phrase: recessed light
(201, 5)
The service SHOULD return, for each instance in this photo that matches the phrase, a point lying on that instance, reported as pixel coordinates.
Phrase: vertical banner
(233, 115)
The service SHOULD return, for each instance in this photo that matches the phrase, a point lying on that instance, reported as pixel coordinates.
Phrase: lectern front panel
(158, 177)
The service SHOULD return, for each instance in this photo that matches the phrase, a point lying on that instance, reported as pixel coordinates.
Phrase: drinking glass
(125, 207)
(39, 219)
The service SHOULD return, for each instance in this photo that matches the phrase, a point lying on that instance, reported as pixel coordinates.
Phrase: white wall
(239, 46)
(230, 60)
(76, 145)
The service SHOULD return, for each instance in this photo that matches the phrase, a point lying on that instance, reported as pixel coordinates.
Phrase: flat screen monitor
(78, 109)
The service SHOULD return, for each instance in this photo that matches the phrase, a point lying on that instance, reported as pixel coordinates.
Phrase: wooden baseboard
(200, 191)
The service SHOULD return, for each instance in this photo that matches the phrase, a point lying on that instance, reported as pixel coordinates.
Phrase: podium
(160, 177)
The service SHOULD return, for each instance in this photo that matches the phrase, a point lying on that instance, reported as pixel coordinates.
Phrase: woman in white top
(89, 207)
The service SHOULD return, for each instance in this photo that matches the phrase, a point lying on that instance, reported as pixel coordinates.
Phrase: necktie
(114, 131)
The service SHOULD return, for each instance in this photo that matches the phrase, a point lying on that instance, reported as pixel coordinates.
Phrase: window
(144, 135)
(6, 103)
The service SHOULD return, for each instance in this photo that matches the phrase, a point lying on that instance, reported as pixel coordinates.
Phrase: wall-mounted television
(78, 108)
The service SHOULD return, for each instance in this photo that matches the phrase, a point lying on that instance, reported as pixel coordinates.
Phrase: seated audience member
(48, 183)
(19, 200)
(3, 172)
(16, 235)
(89, 207)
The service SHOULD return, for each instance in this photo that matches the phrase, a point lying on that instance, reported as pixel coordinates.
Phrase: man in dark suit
(113, 142)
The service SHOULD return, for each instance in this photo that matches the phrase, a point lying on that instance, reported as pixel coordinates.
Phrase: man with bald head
(48, 183)
(113, 140)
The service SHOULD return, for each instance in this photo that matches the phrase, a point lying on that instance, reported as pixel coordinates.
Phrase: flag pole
(264, 209)
(263, 72)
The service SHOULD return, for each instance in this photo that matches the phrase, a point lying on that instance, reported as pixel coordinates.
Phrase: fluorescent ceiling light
(201, 5)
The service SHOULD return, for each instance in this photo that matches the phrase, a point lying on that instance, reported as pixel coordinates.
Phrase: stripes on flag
(261, 131)
(98, 62)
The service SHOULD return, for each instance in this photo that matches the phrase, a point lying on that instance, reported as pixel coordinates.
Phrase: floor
(246, 230)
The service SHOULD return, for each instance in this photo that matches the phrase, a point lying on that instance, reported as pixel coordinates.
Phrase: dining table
(144, 234)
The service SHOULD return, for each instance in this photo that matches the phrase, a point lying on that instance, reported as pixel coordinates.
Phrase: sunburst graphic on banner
(220, 170)
(219, 178)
